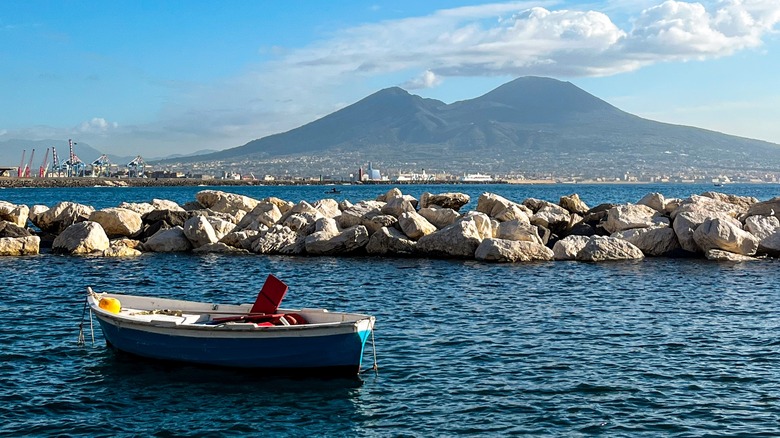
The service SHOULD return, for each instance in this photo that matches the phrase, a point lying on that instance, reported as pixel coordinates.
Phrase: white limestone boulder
(444, 200)
(762, 226)
(653, 241)
(440, 217)
(281, 204)
(170, 240)
(20, 246)
(164, 204)
(61, 216)
(414, 225)
(551, 216)
(359, 212)
(139, 207)
(279, 240)
(568, 247)
(573, 204)
(328, 208)
(16, 214)
(390, 241)
(725, 256)
(459, 240)
(770, 207)
(518, 231)
(510, 251)
(743, 203)
(199, 231)
(397, 206)
(628, 216)
(685, 224)
(224, 202)
(265, 213)
(726, 236)
(654, 200)
(81, 238)
(324, 242)
(601, 248)
(221, 227)
(118, 221)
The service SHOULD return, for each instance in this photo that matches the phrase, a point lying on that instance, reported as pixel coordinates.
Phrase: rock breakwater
(714, 225)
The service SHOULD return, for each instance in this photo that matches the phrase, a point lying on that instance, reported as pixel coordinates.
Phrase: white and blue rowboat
(303, 341)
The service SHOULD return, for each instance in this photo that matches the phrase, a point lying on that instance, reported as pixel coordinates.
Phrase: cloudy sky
(157, 78)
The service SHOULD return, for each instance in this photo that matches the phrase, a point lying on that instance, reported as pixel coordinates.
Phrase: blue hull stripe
(340, 350)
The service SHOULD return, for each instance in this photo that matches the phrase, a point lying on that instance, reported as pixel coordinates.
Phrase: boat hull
(333, 345)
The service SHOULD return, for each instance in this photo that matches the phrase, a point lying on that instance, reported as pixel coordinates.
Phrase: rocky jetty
(715, 226)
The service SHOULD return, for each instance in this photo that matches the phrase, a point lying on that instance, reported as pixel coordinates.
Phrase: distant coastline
(10, 182)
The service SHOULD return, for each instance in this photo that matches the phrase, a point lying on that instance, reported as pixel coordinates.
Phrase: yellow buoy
(110, 304)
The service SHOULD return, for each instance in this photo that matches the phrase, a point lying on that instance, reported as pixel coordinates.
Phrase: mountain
(529, 125)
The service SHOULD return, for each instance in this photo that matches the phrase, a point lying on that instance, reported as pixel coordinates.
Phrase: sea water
(683, 347)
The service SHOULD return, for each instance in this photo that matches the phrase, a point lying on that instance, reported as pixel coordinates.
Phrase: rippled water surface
(656, 347)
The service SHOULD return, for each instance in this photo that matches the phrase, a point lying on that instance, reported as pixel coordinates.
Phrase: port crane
(44, 165)
(55, 161)
(74, 166)
(28, 167)
(20, 170)
(135, 168)
(101, 166)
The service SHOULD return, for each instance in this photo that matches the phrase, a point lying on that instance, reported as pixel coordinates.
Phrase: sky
(168, 77)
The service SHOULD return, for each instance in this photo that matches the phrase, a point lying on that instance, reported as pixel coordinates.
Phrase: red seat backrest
(270, 296)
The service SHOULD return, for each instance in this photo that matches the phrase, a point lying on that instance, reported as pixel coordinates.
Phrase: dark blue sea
(659, 347)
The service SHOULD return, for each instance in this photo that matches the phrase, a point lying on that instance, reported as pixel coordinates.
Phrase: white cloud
(427, 79)
(96, 125)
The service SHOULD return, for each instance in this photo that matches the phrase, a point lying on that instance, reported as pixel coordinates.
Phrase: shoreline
(14, 182)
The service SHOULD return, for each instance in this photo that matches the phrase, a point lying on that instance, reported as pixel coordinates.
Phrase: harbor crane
(20, 170)
(101, 166)
(28, 167)
(44, 165)
(74, 166)
(55, 162)
(135, 168)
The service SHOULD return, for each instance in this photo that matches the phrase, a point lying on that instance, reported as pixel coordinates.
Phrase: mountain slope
(521, 124)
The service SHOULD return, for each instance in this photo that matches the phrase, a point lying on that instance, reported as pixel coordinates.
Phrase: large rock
(279, 240)
(501, 250)
(164, 204)
(485, 227)
(518, 231)
(343, 242)
(460, 239)
(378, 222)
(241, 239)
(568, 247)
(725, 235)
(498, 207)
(81, 238)
(221, 227)
(725, 256)
(762, 226)
(698, 204)
(626, 217)
(414, 225)
(172, 218)
(123, 248)
(118, 221)
(654, 200)
(19, 246)
(390, 241)
(765, 208)
(139, 207)
(770, 244)
(601, 248)
(357, 213)
(199, 231)
(16, 214)
(397, 206)
(170, 240)
(513, 212)
(743, 203)
(10, 229)
(62, 216)
(444, 200)
(327, 208)
(281, 204)
(653, 241)
(265, 213)
(551, 216)
(224, 202)
(574, 204)
(440, 217)
(685, 224)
